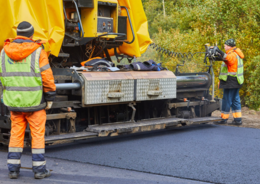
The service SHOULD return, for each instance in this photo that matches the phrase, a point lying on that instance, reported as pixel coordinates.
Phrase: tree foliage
(189, 24)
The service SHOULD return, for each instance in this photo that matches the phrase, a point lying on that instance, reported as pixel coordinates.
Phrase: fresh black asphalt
(210, 153)
(70, 172)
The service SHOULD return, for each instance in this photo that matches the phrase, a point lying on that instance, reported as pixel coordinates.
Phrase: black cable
(181, 56)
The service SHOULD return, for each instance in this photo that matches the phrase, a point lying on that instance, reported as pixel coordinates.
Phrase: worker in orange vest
(28, 90)
(231, 80)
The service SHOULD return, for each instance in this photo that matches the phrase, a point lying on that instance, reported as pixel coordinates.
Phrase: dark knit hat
(231, 42)
(25, 29)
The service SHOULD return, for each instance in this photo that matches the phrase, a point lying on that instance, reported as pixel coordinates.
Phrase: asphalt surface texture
(69, 172)
(195, 154)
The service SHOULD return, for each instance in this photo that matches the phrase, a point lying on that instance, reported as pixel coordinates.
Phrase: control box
(105, 24)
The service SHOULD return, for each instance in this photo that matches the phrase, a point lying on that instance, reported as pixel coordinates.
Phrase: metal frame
(130, 22)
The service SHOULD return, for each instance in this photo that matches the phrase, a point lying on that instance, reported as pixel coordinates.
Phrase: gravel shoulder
(250, 118)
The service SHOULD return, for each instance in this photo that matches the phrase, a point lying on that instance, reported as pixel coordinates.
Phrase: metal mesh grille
(98, 91)
(158, 88)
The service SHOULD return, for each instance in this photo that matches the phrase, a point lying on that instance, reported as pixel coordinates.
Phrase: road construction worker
(231, 80)
(28, 89)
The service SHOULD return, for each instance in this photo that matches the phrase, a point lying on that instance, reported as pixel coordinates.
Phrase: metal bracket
(188, 105)
(193, 112)
(133, 113)
(72, 125)
(79, 17)
(131, 26)
(71, 117)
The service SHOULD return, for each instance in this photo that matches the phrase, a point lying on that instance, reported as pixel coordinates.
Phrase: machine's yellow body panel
(89, 17)
(89, 21)
(45, 15)
(140, 25)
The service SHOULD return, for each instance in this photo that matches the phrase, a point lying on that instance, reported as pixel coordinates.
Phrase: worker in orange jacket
(231, 80)
(25, 70)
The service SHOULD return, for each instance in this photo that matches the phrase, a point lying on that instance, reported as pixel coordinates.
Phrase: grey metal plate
(70, 136)
(154, 85)
(114, 129)
(166, 87)
(100, 91)
(203, 120)
(107, 87)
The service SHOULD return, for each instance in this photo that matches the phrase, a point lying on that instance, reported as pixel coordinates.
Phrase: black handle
(130, 22)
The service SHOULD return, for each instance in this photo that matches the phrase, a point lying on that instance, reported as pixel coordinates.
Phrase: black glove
(218, 52)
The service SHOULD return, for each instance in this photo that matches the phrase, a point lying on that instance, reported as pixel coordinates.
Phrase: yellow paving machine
(93, 100)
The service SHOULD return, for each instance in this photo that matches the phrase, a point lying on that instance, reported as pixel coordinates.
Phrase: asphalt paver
(210, 153)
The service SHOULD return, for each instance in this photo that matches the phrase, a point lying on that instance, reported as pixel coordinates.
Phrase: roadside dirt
(250, 118)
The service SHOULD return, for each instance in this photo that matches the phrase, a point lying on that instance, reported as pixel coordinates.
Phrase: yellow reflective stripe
(237, 114)
(240, 69)
(37, 60)
(16, 150)
(223, 72)
(38, 151)
(13, 161)
(239, 60)
(224, 116)
(38, 163)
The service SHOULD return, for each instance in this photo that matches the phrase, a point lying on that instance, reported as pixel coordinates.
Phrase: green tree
(189, 24)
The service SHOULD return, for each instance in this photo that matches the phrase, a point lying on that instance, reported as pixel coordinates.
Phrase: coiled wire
(180, 56)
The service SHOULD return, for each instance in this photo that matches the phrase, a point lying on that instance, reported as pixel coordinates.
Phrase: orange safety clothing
(237, 114)
(231, 58)
(231, 100)
(224, 115)
(20, 48)
(36, 121)
(84, 62)
(231, 86)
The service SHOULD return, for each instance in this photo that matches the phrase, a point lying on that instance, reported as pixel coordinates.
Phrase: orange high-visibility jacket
(231, 58)
(20, 48)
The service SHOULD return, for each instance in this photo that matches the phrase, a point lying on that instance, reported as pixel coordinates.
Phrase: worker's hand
(49, 104)
(219, 52)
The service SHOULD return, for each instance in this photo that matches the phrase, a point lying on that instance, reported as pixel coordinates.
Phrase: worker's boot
(223, 121)
(235, 122)
(41, 175)
(13, 174)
